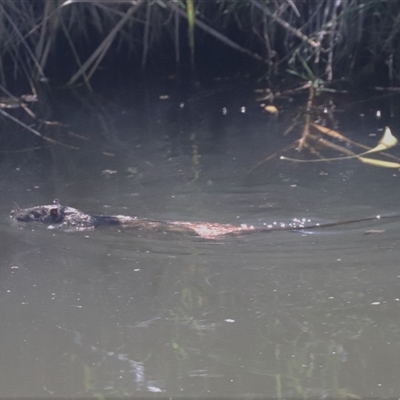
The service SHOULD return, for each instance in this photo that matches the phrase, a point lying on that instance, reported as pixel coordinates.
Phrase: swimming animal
(58, 216)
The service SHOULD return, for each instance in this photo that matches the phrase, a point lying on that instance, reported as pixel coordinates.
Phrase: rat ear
(54, 213)
(56, 201)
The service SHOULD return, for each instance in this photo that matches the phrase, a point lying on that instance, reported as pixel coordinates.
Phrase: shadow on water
(117, 313)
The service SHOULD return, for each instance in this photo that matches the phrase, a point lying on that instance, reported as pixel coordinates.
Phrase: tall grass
(334, 38)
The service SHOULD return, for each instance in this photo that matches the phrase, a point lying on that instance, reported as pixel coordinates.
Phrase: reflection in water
(108, 362)
(117, 313)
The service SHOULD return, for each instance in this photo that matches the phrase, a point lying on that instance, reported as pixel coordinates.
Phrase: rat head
(47, 214)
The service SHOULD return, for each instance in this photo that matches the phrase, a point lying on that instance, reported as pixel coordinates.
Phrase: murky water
(122, 313)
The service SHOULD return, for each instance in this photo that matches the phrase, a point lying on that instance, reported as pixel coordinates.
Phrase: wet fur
(57, 215)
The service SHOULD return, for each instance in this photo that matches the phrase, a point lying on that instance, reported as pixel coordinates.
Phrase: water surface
(122, 313)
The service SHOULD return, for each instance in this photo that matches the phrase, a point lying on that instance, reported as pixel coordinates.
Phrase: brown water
(117, 313)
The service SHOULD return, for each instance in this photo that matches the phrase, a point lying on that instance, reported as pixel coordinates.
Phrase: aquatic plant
(335, 38)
